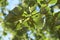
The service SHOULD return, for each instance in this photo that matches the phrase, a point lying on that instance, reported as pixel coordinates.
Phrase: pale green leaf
(53, 2)
(1, 19)
(1, 14)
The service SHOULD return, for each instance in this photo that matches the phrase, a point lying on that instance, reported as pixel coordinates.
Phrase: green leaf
(53, 2)
(57, 27)
(18, 26)
(38, 1)
(4, 33)
(1, 14)
(1, 19)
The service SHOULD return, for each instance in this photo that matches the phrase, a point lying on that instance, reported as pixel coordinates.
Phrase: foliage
(43, 23)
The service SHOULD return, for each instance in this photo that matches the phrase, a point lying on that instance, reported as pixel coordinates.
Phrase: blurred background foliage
(31, 19)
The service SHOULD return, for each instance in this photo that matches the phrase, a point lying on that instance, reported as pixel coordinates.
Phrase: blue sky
(12, 4)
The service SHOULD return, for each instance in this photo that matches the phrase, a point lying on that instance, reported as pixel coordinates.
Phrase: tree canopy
(38, 18)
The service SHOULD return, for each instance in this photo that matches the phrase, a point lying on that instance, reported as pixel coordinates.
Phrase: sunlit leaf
(39, 1)
(1, 19)
(53, 2)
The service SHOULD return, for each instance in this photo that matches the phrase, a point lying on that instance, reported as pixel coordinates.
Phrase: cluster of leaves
(3, 3)
(25, 17)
